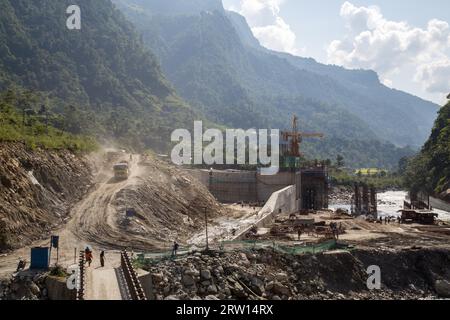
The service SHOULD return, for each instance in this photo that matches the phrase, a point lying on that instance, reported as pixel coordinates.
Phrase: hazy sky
(406, 41)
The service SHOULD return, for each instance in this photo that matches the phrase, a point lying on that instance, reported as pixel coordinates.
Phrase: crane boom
(295, 137)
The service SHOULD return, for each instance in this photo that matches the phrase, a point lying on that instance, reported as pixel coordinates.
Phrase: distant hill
(394, 115)
(217, 65)
(113, 84)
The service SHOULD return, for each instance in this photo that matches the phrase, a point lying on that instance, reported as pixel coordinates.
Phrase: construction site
(146, 229)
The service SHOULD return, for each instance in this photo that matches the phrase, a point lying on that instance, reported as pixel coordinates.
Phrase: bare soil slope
(169, 206)
(37, 189)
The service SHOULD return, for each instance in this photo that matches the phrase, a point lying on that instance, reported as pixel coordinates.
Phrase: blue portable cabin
(40, 257)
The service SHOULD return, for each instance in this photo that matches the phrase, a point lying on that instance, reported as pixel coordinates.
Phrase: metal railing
(82, 277)
(131, 278)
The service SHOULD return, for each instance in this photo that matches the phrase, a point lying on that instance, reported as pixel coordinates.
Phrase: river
(390, 202)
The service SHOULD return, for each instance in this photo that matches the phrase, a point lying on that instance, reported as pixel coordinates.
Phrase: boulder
(212, 289)
(188, 280)
(442, 288)
(35, 290)
(244, 260)
(257, 285)
(205, 274)
(281, 277)
(157, 277)
(281, 289)
(238, 291)
(219, 270)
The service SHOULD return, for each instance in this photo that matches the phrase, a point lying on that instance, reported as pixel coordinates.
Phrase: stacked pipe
(131, 278)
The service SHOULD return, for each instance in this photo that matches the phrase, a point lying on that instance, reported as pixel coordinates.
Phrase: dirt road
(94, 218)
(98, 220)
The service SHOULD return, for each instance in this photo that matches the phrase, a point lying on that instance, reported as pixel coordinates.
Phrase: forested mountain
(107, 82)
(101, 77)
(214, 62)
(430, 170)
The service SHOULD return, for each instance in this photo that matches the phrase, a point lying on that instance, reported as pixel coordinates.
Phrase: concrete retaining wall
(439, 204)
(267, 185)
(248, 186)
(57, 289)
(282, 201)
(146, 281)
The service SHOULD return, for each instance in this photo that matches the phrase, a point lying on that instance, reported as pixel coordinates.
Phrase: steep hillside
(430, 170)
(214, 62)
(37, 189)
(103, 69)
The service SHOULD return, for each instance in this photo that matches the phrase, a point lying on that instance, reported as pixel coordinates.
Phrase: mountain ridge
(211, 67)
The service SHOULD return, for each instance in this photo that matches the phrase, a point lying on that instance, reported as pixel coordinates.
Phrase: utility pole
(206, 225)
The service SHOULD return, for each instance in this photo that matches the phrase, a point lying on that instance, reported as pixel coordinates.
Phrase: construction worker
(22, 264)
(175, 249)
(88, 256)
(102, 259)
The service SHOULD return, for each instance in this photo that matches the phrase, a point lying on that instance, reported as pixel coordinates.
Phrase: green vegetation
(371, 172)
(102, 81)
(101, 78)
(381, 181)
(429, 171)
(341, 176)
(35, 126)
(58, 271)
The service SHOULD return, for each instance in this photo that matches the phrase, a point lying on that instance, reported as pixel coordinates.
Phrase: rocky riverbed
(264, 274)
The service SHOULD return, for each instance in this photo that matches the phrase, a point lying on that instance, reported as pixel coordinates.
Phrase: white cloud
(435, 76)
(267, 25)
(394, 47)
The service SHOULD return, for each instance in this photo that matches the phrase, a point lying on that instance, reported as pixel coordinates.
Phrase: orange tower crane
(296, 138)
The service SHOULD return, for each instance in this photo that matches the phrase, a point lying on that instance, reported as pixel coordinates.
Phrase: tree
(403, 164)
(340, 161)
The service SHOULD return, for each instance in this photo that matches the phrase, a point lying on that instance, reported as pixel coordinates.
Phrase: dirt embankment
(263, 274)
(37, 189)
(169, 204)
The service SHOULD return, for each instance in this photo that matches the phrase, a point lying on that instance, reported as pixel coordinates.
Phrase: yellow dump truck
(121, 170)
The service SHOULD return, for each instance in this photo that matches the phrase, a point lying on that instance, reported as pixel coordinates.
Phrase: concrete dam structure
(233, 186)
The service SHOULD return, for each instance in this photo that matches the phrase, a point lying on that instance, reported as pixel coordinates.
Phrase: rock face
(275, 276)
(37, 189)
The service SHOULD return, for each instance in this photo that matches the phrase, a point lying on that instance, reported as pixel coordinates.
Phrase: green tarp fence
(243, 245)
